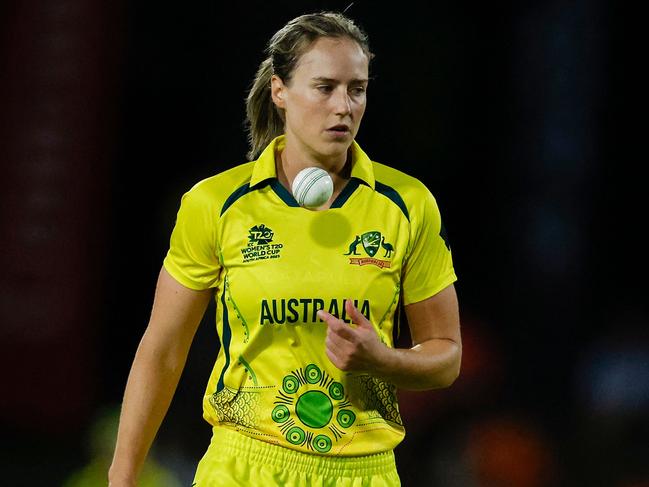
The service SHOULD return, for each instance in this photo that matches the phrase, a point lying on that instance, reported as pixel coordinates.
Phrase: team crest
(371, 242)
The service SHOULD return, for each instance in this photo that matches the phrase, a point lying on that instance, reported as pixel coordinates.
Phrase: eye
(325, 88)
(357, 90)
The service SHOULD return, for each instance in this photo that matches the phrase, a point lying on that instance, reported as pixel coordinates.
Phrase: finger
(324, 316)
(336, 342)
(333, 357)
(343, 330)
(337, 326)
(330, 345)
(356, 316)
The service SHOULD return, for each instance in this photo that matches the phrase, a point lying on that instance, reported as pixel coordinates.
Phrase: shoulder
(215, 190)
(401, 186)
(397, 179)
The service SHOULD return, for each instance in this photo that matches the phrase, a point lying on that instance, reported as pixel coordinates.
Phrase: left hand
(352, 348)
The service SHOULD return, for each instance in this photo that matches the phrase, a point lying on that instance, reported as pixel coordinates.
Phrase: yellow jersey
(274, 264)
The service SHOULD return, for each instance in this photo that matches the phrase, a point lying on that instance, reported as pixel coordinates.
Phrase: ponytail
(263, 119)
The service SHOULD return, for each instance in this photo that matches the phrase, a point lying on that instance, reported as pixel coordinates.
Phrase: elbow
(441, 379)
(449, 374)
(456, 365)
(434, 370)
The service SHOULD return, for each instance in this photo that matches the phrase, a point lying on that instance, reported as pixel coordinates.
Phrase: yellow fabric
(233, 459)
(273, 265)
(264, 168)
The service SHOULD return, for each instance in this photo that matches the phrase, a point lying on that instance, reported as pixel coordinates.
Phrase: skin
(327, 88)
(156, 369)
(432, 363)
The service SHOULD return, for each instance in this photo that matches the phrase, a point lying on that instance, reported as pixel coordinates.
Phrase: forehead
(335, 58)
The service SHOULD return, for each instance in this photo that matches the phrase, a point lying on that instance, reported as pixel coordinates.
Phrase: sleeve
(428, 267)
(193, 256)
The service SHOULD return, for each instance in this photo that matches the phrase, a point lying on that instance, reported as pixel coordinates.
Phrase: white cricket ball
(312, 187)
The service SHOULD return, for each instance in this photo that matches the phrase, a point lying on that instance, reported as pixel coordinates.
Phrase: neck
(289, 163)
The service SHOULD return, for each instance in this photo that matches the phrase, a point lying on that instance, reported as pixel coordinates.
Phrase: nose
(342, 102)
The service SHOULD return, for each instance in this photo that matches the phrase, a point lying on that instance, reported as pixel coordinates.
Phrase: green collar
(265, 165)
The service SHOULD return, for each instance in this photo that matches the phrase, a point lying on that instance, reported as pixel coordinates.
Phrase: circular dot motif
(312, 373)
(336, 391)
(314, 409)
(295, 435)
(290, 384)
(281, 414)
(345, 418)
(322, 443)
(318, 405)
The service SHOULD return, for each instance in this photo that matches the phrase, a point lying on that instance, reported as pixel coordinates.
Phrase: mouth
(340, 129)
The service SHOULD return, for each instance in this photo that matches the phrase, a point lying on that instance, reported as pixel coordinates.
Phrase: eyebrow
(322, 79)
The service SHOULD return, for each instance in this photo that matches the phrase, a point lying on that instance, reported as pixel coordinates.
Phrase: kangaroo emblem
(353, 245)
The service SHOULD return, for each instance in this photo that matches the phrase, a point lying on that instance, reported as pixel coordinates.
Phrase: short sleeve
(192, 258)
(428, 267)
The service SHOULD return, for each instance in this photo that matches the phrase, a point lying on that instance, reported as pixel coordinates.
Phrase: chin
(339, 153)
(335, 147)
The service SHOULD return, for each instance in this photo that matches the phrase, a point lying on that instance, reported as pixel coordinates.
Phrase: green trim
(283, 193)
(225, 343)
(394, 196)
(244, 323)
(395, 299)
(347, 191)
(238, 193)
(243, 362)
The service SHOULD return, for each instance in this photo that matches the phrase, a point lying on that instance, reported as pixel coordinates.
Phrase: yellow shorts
(233, 459)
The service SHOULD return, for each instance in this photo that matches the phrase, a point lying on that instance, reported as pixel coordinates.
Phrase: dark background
(515, 115)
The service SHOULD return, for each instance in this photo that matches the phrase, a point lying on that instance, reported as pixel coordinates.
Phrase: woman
(303, 388)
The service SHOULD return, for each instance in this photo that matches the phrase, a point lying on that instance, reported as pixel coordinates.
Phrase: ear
(277, 91)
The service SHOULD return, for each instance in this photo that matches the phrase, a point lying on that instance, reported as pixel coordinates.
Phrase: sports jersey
(274, 264)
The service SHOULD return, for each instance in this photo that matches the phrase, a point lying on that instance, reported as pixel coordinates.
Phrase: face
(325, 98)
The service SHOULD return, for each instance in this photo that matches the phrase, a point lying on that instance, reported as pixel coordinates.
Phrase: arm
(156, 369)
(433, 361)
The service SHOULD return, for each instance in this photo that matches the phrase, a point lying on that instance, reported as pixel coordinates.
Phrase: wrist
(385, 362)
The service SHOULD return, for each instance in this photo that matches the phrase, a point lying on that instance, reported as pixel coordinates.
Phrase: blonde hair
(264, 121)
